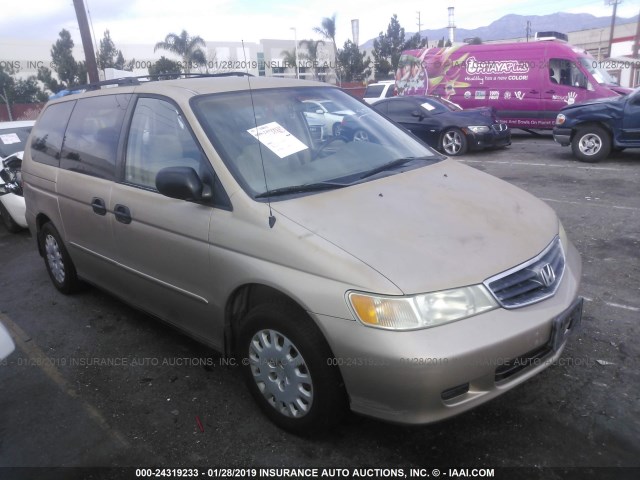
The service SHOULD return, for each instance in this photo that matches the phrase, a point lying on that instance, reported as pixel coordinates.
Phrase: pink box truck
(527, 83)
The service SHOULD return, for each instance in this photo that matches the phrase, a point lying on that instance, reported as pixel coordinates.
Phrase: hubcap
(452, 143)
(281, 373)
(361, 136)
(590, 144)
(54, 258)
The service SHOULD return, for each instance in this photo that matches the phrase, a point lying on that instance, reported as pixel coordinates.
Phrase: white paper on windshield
(9, 138)
(428, 106)
(277, 139)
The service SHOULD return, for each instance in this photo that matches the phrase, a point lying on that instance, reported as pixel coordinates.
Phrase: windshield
(12, 140)
(601, 76)
(269, 144)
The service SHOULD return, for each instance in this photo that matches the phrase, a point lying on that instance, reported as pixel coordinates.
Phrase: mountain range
(514, 26)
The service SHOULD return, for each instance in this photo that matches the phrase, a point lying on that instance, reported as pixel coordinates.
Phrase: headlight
(560, 119)
(420, 311)
(479, 128)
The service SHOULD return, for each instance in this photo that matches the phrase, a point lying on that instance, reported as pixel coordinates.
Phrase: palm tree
(188, 48)
(328, 31)
(289, 58)
(312, 52)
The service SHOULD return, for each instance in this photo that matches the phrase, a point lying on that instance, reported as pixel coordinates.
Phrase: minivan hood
(441, 226)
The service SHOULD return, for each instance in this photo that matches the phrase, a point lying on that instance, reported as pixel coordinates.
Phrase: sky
(149, 21)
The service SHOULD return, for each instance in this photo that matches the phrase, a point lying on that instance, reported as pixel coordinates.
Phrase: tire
(7, 221)
(361, 136)
(453, 142)
(337, 129)
(591, 144)
(286, 363)
(59, 265)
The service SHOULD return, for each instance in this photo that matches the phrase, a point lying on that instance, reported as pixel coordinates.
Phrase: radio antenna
(272, 218)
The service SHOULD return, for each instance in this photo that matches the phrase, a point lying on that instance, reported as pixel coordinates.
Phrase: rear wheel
(288, 368)
(7, 221)
(453, 142)
(57, 260)
(591, 144)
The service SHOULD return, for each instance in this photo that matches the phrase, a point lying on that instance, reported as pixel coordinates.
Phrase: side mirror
(417, 114)
(182, 183)
(320, 111)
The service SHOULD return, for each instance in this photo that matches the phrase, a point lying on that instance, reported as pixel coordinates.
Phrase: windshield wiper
(394, 164)
(307, 187)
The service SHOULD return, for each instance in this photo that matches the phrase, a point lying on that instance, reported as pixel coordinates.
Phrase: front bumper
(562, 136)
(492, 139)
(424, 376)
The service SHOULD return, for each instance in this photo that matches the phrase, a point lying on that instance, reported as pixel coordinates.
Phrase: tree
(388, 47)
(311, 54)
(442, 43)
(186, 47)
(50, 83)
(473, 41)
(328, 32)
(109, 56)
(289, 58)
(19, 91)
(353, 65)
(164, 67)
(69, 71)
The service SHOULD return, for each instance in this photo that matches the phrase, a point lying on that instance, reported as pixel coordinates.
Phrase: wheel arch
(592, 123)
(41, 219)
(243, 299)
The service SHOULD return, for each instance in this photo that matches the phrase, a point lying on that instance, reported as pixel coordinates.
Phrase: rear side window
(46, 140)
(390, 92)
(374, 91)
(91, 141)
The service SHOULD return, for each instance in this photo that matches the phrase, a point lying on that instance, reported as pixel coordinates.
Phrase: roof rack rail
(128, 81)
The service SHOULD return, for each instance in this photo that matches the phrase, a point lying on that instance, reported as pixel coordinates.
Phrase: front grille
(500, 127)
(532, 281)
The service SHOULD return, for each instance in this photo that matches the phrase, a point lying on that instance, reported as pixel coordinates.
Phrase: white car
(378, 91)
(13, 137)
(327, 113)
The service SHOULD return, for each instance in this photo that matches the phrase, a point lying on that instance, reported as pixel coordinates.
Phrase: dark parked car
(595, 128)
(446, 126)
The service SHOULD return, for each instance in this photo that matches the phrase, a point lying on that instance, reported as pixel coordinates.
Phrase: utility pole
(613, 21)
(87, 44)
(419, 24)
(528, 29)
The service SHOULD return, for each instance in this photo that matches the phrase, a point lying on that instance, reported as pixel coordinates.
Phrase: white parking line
(615, 305)
(591, 204)
(531, 164)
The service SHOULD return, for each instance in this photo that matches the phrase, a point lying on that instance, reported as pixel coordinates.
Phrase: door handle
(534, 92)
(550, 91)
(122, 213)
(98, 206)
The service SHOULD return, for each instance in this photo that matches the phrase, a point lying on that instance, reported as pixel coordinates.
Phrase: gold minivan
(373, 275)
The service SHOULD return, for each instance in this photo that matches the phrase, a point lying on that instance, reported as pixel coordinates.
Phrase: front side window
(159, 137)
(265, 140)
(91, 139)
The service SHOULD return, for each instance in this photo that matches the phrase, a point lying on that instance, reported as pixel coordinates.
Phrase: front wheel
(591, 144)
(361, 136)
(288, 368)
(59, 265)
(453, 142)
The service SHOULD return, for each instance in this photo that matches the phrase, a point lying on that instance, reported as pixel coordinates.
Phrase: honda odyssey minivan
(377, 276)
